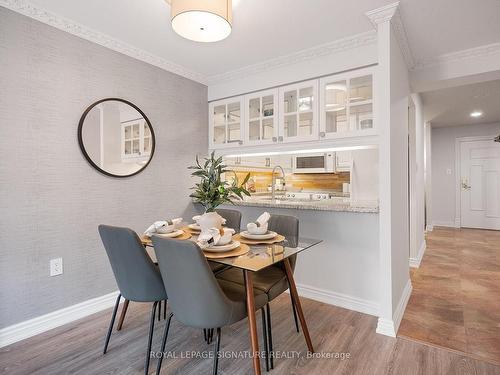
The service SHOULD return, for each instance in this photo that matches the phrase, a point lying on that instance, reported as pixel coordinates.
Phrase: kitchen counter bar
(333, 204)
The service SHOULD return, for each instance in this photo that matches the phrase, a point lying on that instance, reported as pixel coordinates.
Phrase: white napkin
(260, 225)
(163, 226)
(214, 237)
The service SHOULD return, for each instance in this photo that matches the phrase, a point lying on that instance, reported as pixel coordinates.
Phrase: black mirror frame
(82, 147)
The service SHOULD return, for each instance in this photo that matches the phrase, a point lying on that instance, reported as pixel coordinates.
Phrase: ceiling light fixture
(476, 114)
(201, 20)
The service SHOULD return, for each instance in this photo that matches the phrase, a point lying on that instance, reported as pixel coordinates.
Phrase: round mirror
(116, 137)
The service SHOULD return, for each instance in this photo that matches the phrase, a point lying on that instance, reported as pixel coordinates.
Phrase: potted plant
(212, 191)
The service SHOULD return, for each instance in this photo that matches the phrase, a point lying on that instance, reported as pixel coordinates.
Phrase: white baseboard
(339, 299)
(35, 326)
(447, 224)
(389, 327)
(457, 222)
(415, 262)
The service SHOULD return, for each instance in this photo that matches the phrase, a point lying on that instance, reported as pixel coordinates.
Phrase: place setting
(219, 243)
(257, 232)
(166, 229)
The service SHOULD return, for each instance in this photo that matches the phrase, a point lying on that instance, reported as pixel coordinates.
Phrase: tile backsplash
(299, 181)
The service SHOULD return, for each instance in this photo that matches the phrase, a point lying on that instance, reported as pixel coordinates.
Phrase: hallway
(456, 293)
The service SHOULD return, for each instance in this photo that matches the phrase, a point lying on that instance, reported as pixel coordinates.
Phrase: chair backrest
(233, 218)
(138, 278)
(287, 226)
(194, 295)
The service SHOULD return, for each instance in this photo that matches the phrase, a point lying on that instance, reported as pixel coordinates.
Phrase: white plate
(194, 227)
(175, 233)
(266, 236)
(230, 246)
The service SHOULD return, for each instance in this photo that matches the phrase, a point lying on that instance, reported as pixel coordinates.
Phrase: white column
(391, 111)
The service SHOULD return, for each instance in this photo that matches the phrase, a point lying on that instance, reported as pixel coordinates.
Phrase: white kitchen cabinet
(346, 104)
(261, 117)
(298, 112)
(136, 140)
(343, 161)
(226, 123)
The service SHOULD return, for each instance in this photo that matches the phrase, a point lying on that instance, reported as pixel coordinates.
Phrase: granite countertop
(333, 204)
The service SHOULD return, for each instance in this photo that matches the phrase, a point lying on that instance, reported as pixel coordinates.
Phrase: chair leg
(122, 315)
(216, 352)
(111, 324)
(165, 309)
(150, 338)
(205, 336)
(264, 334)
(294, 313)
(270, 336)
(159, 310)
(163, 344)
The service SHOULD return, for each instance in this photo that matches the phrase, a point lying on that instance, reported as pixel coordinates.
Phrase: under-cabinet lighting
(476, 114)
(295, 152)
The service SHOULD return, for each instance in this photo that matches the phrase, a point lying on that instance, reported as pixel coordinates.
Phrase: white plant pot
(210, 220)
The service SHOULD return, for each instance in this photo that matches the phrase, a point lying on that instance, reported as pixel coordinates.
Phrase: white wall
(443, 160)
(364, 175)
(391, 108)
(400, 89)
(323, 64)
(428, 175)
(418, 207)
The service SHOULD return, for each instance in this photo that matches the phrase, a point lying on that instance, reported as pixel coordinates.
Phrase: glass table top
(259, 256)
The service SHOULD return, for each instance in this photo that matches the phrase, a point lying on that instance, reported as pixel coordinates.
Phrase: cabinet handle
(322, 134)
(280, 138)
(240, 142)
(275, 139)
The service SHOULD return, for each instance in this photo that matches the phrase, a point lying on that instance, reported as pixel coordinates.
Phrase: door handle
(465, 185)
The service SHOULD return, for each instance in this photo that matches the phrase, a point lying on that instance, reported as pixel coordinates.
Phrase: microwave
(314, 163)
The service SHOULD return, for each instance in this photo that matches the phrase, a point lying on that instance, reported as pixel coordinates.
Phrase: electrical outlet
(448, 171)
(56, 267)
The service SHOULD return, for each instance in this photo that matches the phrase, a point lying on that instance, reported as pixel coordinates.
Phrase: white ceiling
(265, 29)
(452, 106)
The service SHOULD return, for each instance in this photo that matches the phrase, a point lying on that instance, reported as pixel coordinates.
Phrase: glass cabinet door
(298, 106)
(226, 122)
(346, 105)
(261, 117)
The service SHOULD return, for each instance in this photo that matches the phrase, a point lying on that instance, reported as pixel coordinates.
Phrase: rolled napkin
(260, 225)
(163, 226)
(215, 237)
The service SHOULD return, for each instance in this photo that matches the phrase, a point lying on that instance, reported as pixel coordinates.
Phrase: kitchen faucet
(273, 187)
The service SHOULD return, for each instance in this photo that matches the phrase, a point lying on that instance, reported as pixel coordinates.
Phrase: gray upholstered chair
(138, 278)
(233, 218)
(272, 280)
(196, 297)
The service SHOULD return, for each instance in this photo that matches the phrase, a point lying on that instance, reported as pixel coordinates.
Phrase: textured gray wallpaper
(51, 198)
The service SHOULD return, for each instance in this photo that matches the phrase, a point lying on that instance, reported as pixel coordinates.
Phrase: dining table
(257, 256)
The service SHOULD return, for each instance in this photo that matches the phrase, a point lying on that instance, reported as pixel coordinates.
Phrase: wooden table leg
(252, 323)
(122, 315)
(296, 300)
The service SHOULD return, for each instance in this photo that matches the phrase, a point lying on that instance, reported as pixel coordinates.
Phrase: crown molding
(476, 52)
(391, 13)
(27, 9)
(340, 45)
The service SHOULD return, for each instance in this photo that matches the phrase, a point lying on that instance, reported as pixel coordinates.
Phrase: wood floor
(456, 293)
(77, 347)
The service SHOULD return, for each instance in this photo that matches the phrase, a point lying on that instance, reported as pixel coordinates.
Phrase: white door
(480, 184)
